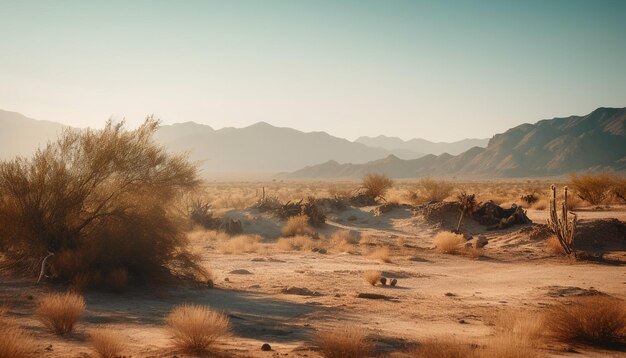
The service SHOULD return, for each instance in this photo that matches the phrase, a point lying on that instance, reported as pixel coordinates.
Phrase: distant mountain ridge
(420, 145)
(551, 147)
(20, 135)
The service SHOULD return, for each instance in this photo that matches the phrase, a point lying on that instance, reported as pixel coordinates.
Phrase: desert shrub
(107, 343)
(101, 198)
(298, 243)
(594, 320)
(372, 277)
(344, 342)
(200, 214)
(448, 242)
(196, 328)
(430, 190)
(553, 246)
(444, 349)
(381, 253)
(297, 225)
(594, 189)
(344, 241)
(241, 244)
(14, 342)
(60, 312)
(376, 185)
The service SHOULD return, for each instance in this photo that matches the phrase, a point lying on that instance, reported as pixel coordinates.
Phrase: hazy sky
(441, 70)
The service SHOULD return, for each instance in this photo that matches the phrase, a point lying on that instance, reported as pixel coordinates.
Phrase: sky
(439, 70)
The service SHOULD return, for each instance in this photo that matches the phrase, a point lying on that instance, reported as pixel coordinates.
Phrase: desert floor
(437, 295)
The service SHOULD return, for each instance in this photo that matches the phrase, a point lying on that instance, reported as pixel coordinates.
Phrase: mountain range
(549, 147)
(419, 145)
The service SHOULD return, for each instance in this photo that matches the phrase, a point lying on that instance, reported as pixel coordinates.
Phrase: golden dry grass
(509, 345)
(60, 312)
(14, 342)
(382, 253)
(553, 246)
(344, 342)
(372, 277)
(241, 244)
(196, 328)
(297, 225)
(448, 242)
(106, 342)
(594, 320)
(298, 243)
(444, 349)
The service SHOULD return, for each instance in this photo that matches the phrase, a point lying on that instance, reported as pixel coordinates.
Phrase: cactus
(564, 227)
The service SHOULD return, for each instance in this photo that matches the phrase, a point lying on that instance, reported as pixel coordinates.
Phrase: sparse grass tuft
(196, 328)
(372, 277)
(60, 312)
(553, 246)
(344, 342)
(448, 242)
(594, 320)
(298, 243)
(241, 244)
(297, 225)
(381, 253)
(509, 345)
(107, 343)
(14, 342)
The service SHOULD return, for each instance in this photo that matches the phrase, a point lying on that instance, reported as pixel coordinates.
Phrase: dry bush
(60, 312)
(241, 244)
(541, 204)
(298, 243)
(344, 342)
(104, 198)
(448, 242)
(553, 246)
(594, 189)
(107, 343)
(297, 225)
(14, 341)
(376, 185)
(372, 277)
(594, 320)
(444, 349)
(428, 190)
(525, 325)
(196, 328)
(381, 253)
(509, 345)
(344, 241)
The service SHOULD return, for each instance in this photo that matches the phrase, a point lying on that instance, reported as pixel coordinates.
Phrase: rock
(315, 249)
(322, 251)
(393, 282)
(481, 242)
(462, 321)
(266, 347)
(240, 272)
(383, 281)
(450, 294)
(300, 291)
(373, 296)
(258, 259)
(226, 279)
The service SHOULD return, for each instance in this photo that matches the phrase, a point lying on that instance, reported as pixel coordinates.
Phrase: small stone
(450, 294)
(322, 251)
(266, 347)
(315, 249)
(240, 272)
(226, 279)
(383, 281)
(462, 321)
(393, 282)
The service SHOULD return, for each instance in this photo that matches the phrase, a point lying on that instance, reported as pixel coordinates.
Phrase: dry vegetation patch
(60, 312)
(298, 243)
(106, 342)
(297, 225)
(448, 242)
(241, 244)
(382, 253)
(372, 277)
(444, 349)
(14, 342)
(594, 320)
(344, 342)
(430, 190)
(196, 328)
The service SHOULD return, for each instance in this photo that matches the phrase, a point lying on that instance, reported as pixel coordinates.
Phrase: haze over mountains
(557, 146)
(596, 141)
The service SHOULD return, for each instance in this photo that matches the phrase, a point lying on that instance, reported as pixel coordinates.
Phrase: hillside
(20, 135)
(556, 146)
(420, 145)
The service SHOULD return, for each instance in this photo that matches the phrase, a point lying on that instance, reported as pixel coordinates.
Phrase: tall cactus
(562, 226)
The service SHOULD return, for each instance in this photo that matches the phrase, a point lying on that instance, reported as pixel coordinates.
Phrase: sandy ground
(437, 295)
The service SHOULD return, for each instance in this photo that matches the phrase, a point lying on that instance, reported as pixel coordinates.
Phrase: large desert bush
(196, 328)
(344, 342)
(448, 242)
(593, 188)
(60, 312)
(430, 190)
(106, 342)
(594, 320)
(98, 200)
(376, 185)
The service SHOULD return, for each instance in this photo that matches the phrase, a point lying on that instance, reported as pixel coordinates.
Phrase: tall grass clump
(107, 343)
(297, 225)
(344, 342)
(60, 312)
(448, 242)
(594, 320)
(14, 342)
(196, 328)
(375, 186)
(430, 190)
(95, 201)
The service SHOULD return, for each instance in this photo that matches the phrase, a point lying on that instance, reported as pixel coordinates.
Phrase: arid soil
(284, 297)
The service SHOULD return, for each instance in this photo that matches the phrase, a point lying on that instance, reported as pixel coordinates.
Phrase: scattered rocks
(393, 282)
(266, 347)
(383, 281)
(240, 272)
(300, 291)
(374, 296)
(570, 291)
